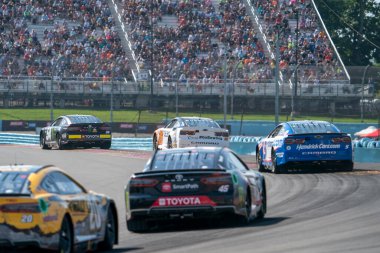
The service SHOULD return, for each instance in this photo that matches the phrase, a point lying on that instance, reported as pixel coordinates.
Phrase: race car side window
(65, 185)
(57, 122)
(49, 185)
(275, 132)
(171, 124)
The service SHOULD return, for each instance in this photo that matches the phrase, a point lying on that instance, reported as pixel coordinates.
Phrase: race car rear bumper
(161, 213)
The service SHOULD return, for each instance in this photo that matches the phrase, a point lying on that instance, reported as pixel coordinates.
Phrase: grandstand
(82, 53)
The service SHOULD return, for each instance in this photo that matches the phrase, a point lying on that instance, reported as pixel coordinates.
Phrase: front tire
(155, 143)
(106, 145)
(110, 234)
(43, 144)
(259, 161)
(170, 143)
(65, 237)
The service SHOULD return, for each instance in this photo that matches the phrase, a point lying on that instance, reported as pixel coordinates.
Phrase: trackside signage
(184, 201)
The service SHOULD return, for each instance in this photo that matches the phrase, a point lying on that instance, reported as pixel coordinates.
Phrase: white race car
(190, 132)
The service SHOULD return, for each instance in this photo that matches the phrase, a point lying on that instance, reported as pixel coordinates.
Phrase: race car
(43, 207)
(304, 144)
(192, 183)
(74, 131)
(190, 131)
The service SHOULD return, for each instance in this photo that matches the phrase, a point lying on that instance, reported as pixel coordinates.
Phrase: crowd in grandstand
(88, 47)
(302, 40)
(210, 41)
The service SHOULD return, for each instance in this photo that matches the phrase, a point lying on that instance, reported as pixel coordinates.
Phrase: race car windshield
(201, 123)
(12, 182)
(187, 160)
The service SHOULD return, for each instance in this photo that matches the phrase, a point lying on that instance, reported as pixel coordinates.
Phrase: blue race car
(299, 144)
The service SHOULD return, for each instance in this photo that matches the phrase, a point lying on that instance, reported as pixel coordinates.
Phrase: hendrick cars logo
(317, 146)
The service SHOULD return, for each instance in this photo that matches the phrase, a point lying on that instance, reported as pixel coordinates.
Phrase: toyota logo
(179, 177)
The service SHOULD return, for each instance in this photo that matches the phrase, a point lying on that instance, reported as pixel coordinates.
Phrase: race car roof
(312, 126)
(21, 168)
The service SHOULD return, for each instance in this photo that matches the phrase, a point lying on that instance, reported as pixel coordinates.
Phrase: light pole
(277, 88)
(361, 101)
(151, 59)
(233, 88)
(225, 89)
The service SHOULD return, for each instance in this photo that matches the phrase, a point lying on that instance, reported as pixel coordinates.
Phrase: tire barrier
(365, 150)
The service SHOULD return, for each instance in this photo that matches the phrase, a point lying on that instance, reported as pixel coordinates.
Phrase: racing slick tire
(66, 244)
(275, 168)
(137, 225)
(106, 145)
(110, 234)
(259, 161)
(245, 219)
(170, 143)
(43, 144)
(263, 209)
(59, 142)
(155, 142)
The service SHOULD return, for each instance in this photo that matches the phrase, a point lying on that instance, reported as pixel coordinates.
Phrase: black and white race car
(74, 131)
(192, 183)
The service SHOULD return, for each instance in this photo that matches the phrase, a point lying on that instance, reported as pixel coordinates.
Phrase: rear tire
(106, 145)
(276, 169)
(65, 237)
(110, 234)
(137, 225)
(245, 219)
(263, 209)
(59, 142)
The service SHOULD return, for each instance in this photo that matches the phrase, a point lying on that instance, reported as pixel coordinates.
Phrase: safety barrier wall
(365, 150)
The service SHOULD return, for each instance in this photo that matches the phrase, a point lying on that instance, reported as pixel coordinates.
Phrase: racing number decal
(27, 218)
(95, 220)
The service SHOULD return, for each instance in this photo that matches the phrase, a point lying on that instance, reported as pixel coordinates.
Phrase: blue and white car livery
(295, 144)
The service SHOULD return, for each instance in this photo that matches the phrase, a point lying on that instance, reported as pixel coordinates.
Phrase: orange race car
(44, 207)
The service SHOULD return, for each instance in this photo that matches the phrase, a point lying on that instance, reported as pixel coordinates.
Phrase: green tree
(354, 26)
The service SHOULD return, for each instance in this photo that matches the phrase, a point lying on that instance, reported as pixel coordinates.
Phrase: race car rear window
(314, 127)
(12, 182)
(201, 123)
(78, 119)
(184, 160)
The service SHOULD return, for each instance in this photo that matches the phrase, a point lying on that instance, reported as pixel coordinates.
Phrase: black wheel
(43, 144)
(259, 161)
(110, 234)
(65, 237)
(59, 142)
(245, 219)
(155, 143)
(170, 144)
(137, 225)
(263, 208)
(106, 145)
(276, 169)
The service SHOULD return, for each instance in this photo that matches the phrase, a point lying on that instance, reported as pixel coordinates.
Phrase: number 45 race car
(190, 132)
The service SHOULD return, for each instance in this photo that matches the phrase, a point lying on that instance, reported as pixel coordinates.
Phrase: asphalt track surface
(307, 212)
